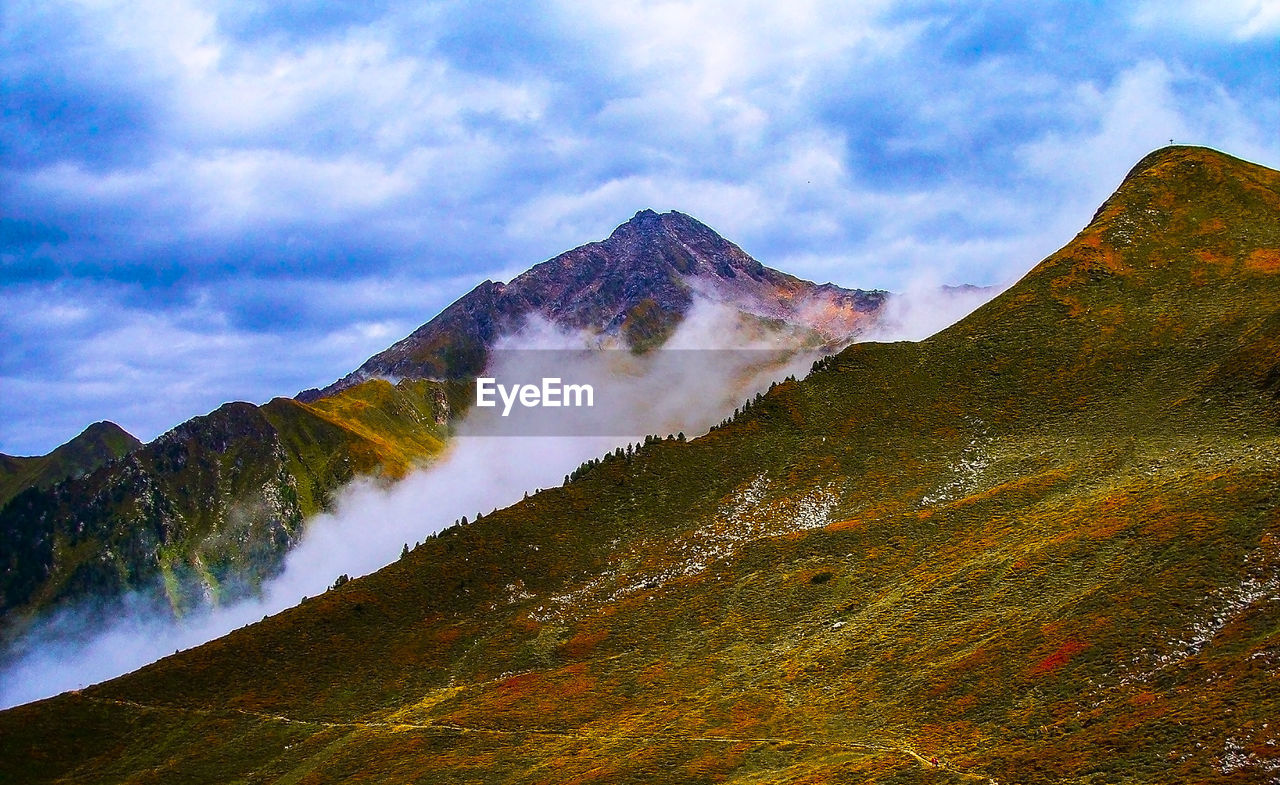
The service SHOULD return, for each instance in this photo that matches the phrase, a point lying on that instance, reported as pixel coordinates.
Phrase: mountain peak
(1179, 174)
(644, 223)
(95, 446)
(654, 264)
(1170, 180)
(671, 244)
(105, 429)
(650, 224)
(1183, 219)
(1156, 160)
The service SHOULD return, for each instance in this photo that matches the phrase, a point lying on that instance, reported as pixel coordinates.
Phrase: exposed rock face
(638, 285)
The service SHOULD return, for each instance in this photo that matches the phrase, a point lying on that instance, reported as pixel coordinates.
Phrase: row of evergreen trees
(621, 454)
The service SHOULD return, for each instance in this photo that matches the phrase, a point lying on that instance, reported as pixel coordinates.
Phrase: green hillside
(1041, 546)
(96, 446)
(211, 507)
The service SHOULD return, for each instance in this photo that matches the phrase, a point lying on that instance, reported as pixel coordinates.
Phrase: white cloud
(1239, 20)
(708, 49)
(724, 206)
(254, 134)
(1116, 125)
(168, 34)
(1140, 110)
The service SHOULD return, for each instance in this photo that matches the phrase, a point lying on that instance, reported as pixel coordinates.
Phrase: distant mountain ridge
(212, 506)
(209, 508)
(637, 285)
(95, 446)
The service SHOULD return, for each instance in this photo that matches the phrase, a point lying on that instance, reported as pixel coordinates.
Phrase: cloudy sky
(206, 201)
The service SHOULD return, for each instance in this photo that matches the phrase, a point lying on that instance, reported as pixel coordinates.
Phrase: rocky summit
(95, 446)
(637, 285)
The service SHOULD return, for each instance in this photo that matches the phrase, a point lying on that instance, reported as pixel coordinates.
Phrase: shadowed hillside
(211, 507)
(1041, 546)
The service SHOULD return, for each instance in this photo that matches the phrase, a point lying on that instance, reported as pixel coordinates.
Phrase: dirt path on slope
(461, 730)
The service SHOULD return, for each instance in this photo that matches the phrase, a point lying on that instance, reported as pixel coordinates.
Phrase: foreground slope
(1042, 546)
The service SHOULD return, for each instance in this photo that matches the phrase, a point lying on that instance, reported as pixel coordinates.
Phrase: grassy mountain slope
(98, 444)
(1042, 546)
(215, 503)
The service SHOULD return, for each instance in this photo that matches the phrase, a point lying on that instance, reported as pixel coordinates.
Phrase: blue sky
(211, 201)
